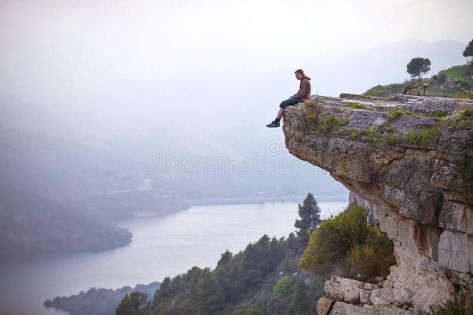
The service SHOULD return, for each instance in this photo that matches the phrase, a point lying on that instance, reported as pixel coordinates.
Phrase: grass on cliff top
(389, 90)
(348, 246)
(355, 105)
(381, 135)
(458, 73)
(396, 113)
(323, 124)
(453, 82)
(462, 120)
(424, 137)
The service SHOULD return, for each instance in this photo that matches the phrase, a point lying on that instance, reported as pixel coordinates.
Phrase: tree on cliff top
(468, 52)
(418, 66)
(310, 219)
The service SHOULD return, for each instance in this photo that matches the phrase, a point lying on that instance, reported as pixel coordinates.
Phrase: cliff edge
(409, 160)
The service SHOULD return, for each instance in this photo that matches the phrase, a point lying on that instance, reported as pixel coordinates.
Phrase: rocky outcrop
(410, 161)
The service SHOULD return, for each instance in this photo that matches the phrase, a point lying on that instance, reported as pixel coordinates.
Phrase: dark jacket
(304, 89)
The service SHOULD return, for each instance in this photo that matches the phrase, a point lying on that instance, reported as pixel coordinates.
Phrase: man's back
(304, 88)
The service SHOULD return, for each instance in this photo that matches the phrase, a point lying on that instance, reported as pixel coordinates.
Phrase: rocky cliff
(410, 161)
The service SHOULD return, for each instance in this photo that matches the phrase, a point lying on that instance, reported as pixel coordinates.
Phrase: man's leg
(280, 113)
(283, 105)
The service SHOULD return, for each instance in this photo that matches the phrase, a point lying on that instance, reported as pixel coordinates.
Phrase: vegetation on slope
(265, 278)
(456, 81)
(103, 301)
(453, 82)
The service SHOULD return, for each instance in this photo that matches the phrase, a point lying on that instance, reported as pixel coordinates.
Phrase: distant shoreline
(237, 201)
(252, 200)
(233, 201)
(190, 203)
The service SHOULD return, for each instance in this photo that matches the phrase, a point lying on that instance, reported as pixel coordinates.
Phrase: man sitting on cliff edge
(299, 97)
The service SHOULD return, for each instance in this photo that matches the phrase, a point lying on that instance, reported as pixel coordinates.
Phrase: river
(161, 246)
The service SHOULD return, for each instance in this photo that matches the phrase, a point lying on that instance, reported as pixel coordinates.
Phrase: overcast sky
(78, 46)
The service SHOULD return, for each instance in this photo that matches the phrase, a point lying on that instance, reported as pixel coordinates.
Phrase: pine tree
(225, 259)
(132, 304)
(417, 66)
(309, 213)
(468, 52)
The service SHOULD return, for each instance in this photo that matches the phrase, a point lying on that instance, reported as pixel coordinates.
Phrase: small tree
(418, 66)
(284, 286)
(468, 52)
(309, 213)
(301, 302)
(132, 304)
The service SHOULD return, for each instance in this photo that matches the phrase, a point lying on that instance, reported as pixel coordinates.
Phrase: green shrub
(358, 106)
(465, 93)
(347, 245)
(329, 124)
(284, 286)
(467, 114)
(425, 137)
(460, 121)
(378, 136)
(439, 114)
(313, 110)
(457, 306)
(372, 258)
(395, 114)
(322, 123)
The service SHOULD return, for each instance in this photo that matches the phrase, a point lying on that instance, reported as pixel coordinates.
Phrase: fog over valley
(121, 118)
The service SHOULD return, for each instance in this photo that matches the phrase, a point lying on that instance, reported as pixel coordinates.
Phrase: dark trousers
(290, 102)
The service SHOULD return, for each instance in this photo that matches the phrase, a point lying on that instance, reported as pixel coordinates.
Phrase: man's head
(299, 74)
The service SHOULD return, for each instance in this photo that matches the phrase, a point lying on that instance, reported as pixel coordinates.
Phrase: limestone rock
(383, 296)
(340, 308)
(348, 290)
(413, 170)
(324, 305)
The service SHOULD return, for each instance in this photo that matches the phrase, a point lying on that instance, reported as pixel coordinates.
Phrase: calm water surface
(162, 246)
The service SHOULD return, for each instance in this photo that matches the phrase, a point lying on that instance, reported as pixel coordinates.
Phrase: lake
(161, 247)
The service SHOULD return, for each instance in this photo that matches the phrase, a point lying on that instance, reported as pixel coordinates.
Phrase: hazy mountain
(33, 225)
(59, 168)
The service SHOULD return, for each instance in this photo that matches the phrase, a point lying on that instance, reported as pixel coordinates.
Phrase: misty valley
(66, 208)
(236, 157)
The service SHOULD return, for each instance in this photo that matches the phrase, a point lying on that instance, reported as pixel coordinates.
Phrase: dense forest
(266, 277)
(262, 279)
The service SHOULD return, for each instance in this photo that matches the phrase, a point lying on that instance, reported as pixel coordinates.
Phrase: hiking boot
(273, 124)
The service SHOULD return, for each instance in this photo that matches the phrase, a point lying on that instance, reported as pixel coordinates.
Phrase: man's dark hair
(299, 71)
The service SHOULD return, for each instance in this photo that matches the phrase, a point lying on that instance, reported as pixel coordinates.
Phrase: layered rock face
(410, 161)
